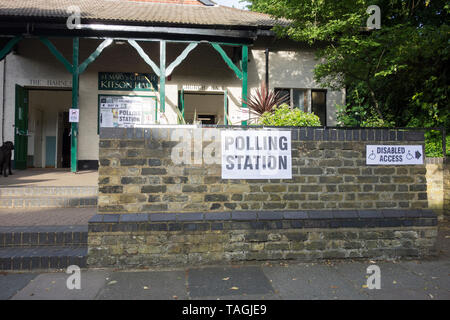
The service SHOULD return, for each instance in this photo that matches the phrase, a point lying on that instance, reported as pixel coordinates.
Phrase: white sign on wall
(74, 115)
(127, 111)
(390, 155)
(256, 154)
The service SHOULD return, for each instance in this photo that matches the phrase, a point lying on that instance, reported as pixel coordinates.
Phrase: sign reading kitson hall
(391, 155)
(256, 154)
(127, 81)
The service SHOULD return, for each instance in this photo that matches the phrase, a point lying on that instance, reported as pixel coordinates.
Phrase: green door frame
(21, 128)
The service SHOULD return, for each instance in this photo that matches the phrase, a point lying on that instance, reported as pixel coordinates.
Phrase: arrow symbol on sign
(418, 155)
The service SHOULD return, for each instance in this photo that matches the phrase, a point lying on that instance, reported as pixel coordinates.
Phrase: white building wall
(33, 65)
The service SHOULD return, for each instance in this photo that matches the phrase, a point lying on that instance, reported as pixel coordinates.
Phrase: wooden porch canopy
(21, 19)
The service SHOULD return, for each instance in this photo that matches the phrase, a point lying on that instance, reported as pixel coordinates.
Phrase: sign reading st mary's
(256, 154)
(127, 81)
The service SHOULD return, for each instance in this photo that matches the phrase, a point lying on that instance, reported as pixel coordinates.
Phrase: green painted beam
(162, 77)
(94, 55)
(74, 126)
(56, 53)
(11, 43)
(180, 58)
(244, 64)
(144, 56)
(227, 60)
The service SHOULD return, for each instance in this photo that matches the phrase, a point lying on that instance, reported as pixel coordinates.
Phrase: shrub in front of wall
(283, 115)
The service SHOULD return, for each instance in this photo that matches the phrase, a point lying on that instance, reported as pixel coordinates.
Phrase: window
(297, 97)
(319, 105)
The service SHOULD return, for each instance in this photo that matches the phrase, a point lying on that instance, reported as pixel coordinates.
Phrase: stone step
(42, 258)
(86, 191)
(47, 201)
(37, 236)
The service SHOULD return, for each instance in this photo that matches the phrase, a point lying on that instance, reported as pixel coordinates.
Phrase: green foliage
(400, 72)
(433, 144)
(264, 100)
(283, 115)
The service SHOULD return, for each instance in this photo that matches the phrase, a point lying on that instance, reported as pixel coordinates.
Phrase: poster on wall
(126, 111)
(256, 154)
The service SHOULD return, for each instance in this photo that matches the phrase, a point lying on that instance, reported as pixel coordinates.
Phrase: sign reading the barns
(390, 155)
(256, 154)
(127, 81)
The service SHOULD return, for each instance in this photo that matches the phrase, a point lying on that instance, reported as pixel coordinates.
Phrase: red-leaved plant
(264, 100)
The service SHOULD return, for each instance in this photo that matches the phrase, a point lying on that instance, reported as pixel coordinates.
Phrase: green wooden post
(74, 127)
(162, 77)
(244, 78)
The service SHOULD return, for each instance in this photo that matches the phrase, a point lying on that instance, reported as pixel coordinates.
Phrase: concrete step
(87, 191)
(48, 197)
(35, 236)
(42, 258)
(48, 202)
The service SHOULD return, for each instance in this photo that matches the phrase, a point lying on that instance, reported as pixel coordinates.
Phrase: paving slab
(147, 285)
(40, 177)
(46, 216)
(11, 283)
(53, 286)
(310, 281)
(225, 282)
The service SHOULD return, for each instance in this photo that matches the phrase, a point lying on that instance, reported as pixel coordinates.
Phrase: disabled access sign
(392, 155)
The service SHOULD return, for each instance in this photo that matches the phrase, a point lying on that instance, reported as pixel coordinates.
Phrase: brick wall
(137, 175)
(155, 212)
(435, 184)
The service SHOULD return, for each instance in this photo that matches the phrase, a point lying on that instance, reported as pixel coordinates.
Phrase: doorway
(204, 107)
(319, 105)
(41, 123)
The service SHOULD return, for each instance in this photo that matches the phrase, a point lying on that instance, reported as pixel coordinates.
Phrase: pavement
(427, 279)
(46, 216)
(40, 177)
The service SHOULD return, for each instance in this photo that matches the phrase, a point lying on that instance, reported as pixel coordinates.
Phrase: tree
(394, 76)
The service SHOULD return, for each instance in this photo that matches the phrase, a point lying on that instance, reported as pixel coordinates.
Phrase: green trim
(180, 58)
(162, 78)
(7, 48)
(227, 60)
(182, 102)
(244, 63)
(74, 126)
(120, 95)
(56, 53)
(94, 55)
(144, 56)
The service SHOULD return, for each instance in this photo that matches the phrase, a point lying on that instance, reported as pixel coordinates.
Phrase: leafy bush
(283, 115)
(433, 144)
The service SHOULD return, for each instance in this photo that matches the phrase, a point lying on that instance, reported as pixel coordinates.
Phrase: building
(137, 63)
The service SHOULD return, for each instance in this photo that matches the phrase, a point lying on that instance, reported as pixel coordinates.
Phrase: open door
(21, 128)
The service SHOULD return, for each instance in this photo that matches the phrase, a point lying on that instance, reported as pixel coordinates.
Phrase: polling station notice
(394, 155)
(256, 154)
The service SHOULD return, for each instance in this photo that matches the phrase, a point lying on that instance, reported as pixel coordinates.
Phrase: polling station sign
(256, 154)
(391, 155)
